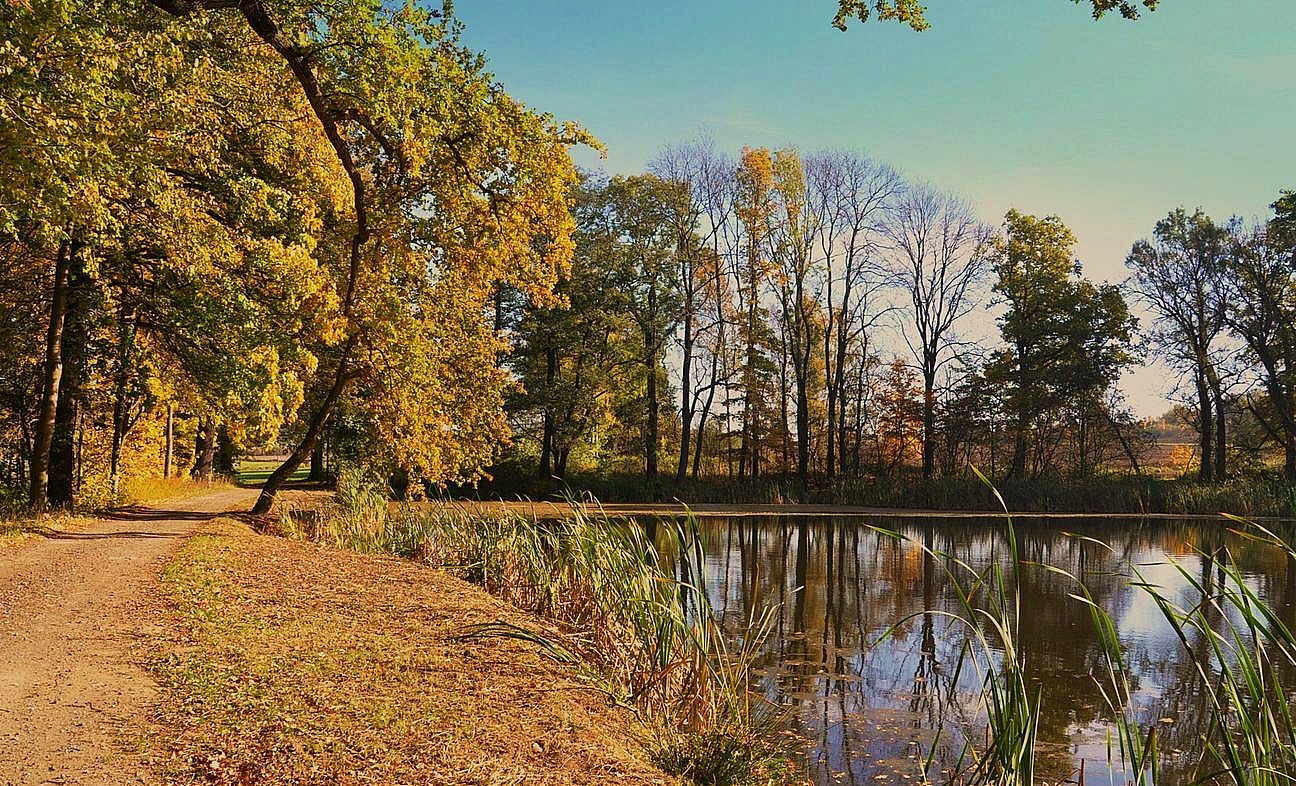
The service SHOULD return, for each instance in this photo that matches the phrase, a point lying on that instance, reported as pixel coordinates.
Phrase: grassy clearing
(624, 609)
(255, 472)
(144, 491)
(301, 665)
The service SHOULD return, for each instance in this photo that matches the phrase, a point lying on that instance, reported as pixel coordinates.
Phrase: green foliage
(1067, 339)
(913, 13)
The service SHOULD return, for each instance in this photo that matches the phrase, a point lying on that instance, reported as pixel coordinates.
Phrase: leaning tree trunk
(341, 378)
(301, 61)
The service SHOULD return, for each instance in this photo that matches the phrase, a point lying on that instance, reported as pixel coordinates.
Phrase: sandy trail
(73, 606)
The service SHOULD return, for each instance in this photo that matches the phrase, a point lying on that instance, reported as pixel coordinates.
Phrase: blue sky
(1009, 103)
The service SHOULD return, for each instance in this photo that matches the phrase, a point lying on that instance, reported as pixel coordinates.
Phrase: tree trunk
(204, 451)
(121, 407)
(169, 457)
(224, 460)
(704, 415)
(67, 417)
(686, 395)
(1205, 432)
(52, 376)
(317, 471)
(546, 468)
(650, 437)
(929, 424)
(1289, 458)
(1221, 428)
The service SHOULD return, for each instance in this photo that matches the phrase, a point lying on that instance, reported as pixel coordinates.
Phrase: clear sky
(1008, 103)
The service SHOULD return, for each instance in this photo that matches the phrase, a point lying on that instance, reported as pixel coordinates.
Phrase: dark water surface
(871, 705)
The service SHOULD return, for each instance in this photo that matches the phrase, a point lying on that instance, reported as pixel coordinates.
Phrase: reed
(1115, 492)
(987, 613)
(1243, 653)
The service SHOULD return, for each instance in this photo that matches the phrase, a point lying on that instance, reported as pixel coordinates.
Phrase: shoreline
(722, 510)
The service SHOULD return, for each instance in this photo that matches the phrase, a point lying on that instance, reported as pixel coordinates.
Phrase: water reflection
(868, 664)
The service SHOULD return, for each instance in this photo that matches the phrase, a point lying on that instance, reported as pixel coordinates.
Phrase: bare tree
(938, 257)
(851, 194)
(707, 235)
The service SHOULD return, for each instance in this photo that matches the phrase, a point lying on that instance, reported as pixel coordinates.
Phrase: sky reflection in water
(870, 706)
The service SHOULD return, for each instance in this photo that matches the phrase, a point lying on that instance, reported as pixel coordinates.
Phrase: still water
(868, 667)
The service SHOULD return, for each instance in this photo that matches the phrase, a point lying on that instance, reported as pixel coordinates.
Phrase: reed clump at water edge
(1239, 647)
(624, 607)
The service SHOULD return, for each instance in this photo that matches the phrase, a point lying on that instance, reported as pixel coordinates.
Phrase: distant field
(255, 471)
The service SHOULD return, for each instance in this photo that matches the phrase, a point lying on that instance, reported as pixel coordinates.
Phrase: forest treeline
(327, 229)
(745, 295)
(227, 225)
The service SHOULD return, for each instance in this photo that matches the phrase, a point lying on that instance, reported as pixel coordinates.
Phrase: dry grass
(303, 665)
(142, 491)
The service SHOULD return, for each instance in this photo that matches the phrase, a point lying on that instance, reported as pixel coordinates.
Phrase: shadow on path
(141, 513)
(51, 534)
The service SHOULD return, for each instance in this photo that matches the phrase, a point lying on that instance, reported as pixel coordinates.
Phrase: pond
(867, 664)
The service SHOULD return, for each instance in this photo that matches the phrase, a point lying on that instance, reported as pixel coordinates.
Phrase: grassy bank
(1249, 496)
(622, 610)
(302, 665)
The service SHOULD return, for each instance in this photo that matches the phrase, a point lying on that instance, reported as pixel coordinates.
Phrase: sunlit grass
(647, 636)
(143, 491)
(255, 472)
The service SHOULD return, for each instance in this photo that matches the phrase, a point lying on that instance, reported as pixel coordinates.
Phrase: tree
(453, 188)
(851, 194)
(755, 207)
(938, 255)
(636, 237)
(1067, 338)
(792, 242)
(568, 354)
(1181, 278)
(912, 12)
(1262, 312)
(704, 236)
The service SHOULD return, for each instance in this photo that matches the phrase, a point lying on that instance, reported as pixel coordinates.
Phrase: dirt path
(72, 605)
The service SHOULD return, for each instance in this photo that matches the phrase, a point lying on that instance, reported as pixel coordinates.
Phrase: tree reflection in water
(870, 707)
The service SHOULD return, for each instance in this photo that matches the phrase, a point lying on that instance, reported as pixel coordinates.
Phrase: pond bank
(723, 510)
(298, 663)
